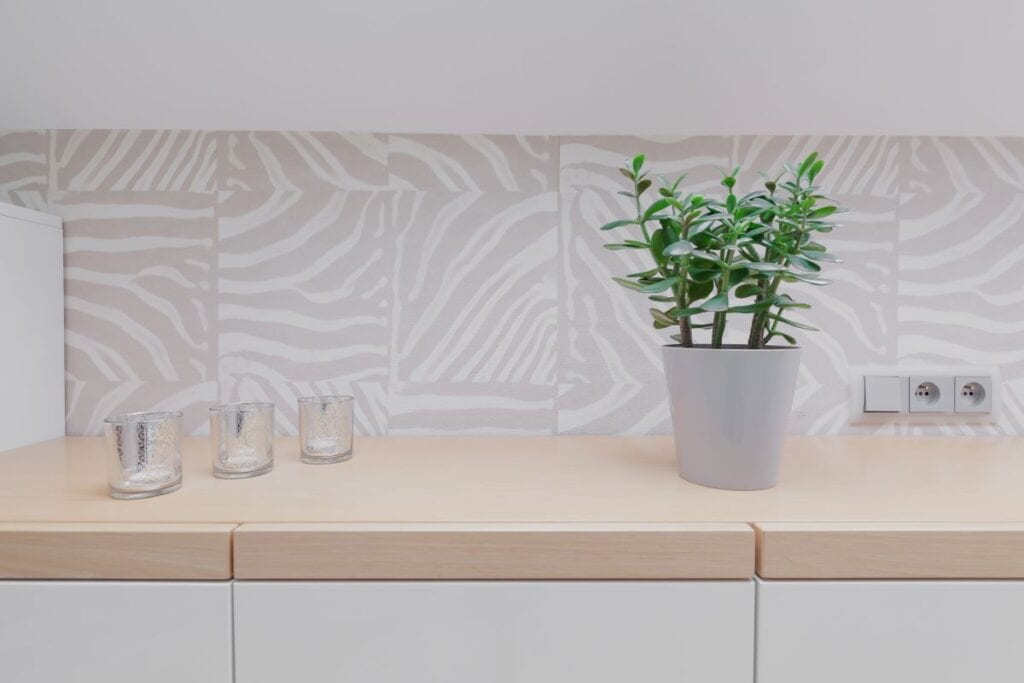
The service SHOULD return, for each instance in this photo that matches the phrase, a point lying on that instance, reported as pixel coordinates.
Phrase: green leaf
(716, 303)
(803, 263)
(810, 279)
(699, 290)
(751, 308)
(763, 267)
(821, 256)
(662, 318)
(647, 273)
(660, 285)
(661, 299)
(680, 248)
(629, 284)
(805, 165)
(626, 172)
(786, 301)
(617, 224)
(815, 169)
(737, 275)
(747, 290)
(642, 186)
(823, 212)
(628, 244)
(655, 208)
(787, 337)
(638, 162)
(730, 203)
(792, 323)
(706, 259)
(658, 245)
(702, 275)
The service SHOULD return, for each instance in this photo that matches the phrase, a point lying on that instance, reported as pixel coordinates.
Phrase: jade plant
(714, 257)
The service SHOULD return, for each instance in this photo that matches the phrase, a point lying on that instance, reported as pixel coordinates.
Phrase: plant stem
(757, 325)
(685, 333)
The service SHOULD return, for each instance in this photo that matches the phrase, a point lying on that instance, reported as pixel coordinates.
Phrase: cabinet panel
(115, 632)
(484, 632)
(890, 631)
(32, 336)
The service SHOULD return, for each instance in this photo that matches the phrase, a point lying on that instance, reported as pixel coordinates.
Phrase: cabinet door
(490, 632)
(890, 631)
(115, 632)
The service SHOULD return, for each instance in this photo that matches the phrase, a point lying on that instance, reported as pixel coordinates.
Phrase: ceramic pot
(730, 409)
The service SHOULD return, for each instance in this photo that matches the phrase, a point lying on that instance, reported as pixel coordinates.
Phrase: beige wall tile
(24, 167)
(304, 285)
(471, 408)
(475, 287)
(301, 160)
(134, 160)
(139, 285)
(473, 162)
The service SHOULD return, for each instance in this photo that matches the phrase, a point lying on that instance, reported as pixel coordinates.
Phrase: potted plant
(713, 259)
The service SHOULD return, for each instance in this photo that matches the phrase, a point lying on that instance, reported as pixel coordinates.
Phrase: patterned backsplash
(457, 284)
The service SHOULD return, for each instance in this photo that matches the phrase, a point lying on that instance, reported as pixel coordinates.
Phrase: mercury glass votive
(325, 428)
(242, 437)
(143, 454)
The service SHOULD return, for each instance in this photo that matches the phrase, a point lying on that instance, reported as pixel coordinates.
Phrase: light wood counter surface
(942, 550)
(536, 479)
(57, 550)
(384, 502)
(706, 550)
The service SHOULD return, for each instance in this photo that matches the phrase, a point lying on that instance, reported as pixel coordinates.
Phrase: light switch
(882, 394)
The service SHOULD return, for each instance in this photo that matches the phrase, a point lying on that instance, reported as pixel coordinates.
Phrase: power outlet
(931, 394)
(973, 394)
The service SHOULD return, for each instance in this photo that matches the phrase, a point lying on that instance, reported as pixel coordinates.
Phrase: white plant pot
(730, 409)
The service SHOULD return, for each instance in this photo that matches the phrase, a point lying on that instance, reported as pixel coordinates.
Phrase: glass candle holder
(144, 454)
(325, 428)
(242, 437)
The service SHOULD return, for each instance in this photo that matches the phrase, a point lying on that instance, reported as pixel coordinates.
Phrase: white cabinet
(32, 333)
(890, 631)
(115, 632)
(494, 632)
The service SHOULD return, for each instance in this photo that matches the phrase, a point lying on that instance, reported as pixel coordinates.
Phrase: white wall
(528, 66)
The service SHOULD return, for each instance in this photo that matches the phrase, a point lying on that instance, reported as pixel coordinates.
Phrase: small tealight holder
(242, 438)
(325, 428)
(144, 454)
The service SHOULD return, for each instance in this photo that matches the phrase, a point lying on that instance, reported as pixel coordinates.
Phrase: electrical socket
(973, 394)
(931, 394)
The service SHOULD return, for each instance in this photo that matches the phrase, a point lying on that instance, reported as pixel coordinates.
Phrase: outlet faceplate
(931, 394)
(935, 395)
(973, 394)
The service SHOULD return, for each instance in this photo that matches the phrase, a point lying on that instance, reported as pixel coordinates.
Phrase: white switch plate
(857, 403)
(883, 393)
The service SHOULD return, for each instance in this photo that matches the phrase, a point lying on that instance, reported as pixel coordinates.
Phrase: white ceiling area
(520, 66)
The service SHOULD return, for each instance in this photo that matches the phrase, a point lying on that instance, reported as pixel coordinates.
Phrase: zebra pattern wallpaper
(458, 284)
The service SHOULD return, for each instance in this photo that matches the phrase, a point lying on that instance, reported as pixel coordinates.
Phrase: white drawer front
(115, 632)
(491, 632)
(890, 631)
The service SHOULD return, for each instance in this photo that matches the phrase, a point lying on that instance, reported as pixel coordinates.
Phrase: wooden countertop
(386, 499)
